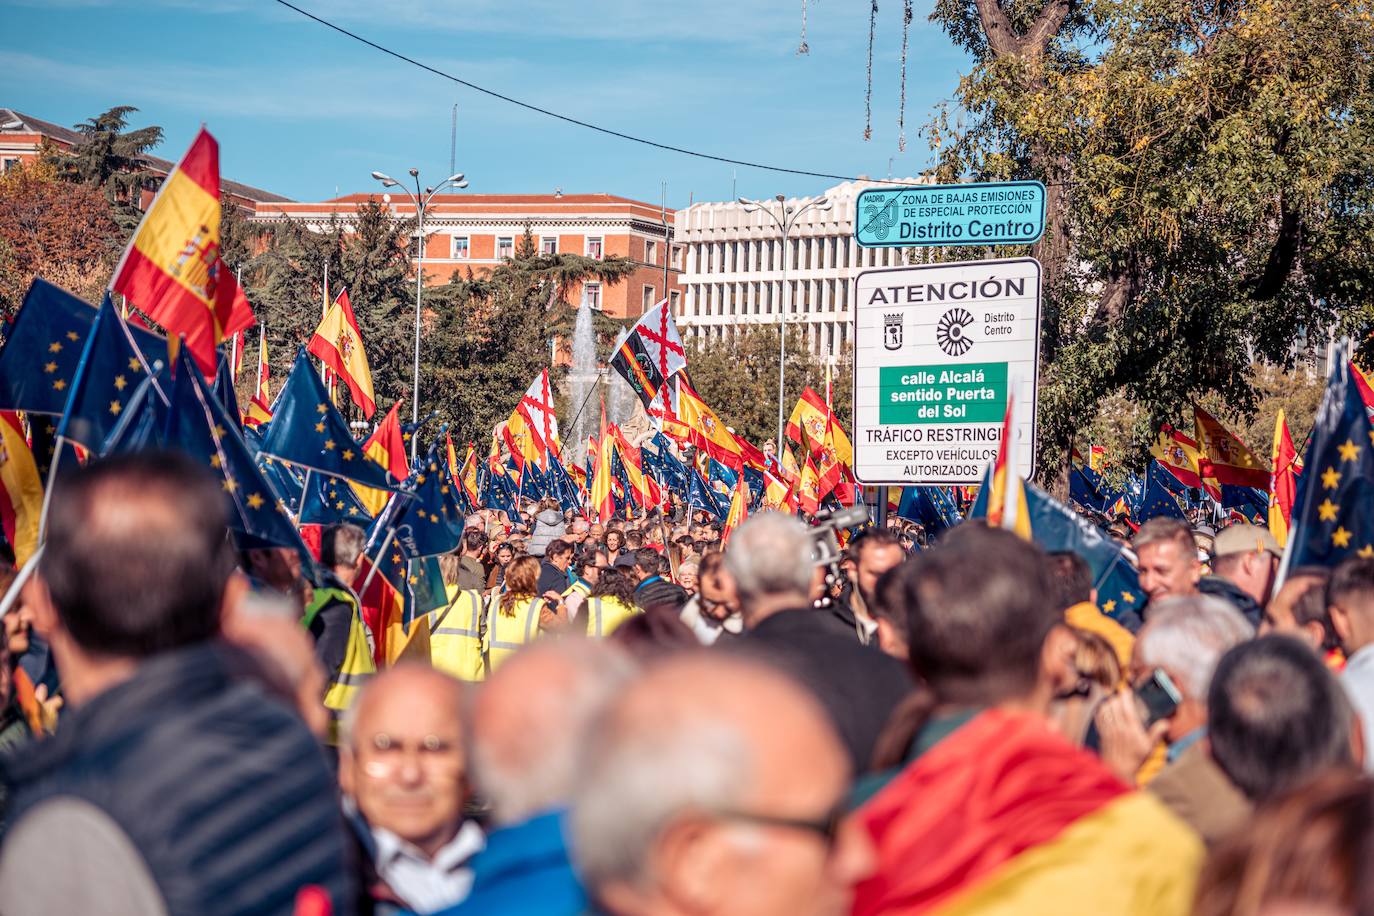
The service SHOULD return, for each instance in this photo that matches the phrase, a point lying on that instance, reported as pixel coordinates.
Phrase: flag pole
(58, 443)
(305, 494)
(25, 572)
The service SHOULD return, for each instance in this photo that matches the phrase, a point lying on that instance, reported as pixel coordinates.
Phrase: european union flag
(930, 506)
(109, 371)
(224, 387)
(1056, 527)
(1334, 514)
(42, 349)
(717, 472)
(532, 486)
(309, 431)
(143, 422)
(753, 478)
(497, 491)
(432, 521)
(669, 469)
(328, 501)
(1085, 488)
(286, 481)
(561, 486)
(699, 496)
(1157, 500)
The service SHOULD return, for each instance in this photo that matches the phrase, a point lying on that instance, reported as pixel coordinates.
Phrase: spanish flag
(339, 345)
(259, 410)
(21, 489)
(467, 476)
(386, 447)
(739, 509)
(172, 269)
(1181, 457)
(1006, 503)
(1006, 817)
(813, 426)
(704, 428)
(1229, 459)
(1283, 491)
(602, 496)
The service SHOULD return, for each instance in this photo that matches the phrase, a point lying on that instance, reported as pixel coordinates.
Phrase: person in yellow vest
(514, 616)
(611, 602)
(455, 634)
(332, 616)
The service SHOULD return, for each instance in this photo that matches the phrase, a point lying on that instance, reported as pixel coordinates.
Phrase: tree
(738, 379)
(111, 157)
(53, 230)
(1210, 175)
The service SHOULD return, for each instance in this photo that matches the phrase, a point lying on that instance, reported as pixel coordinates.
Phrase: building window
(548, 244)
(651, 252)
(646, 298)
(591, 294)
(677, 257)
(505, 247)
(9, 162)
(674, 300)
(460, 248)
(594, 247)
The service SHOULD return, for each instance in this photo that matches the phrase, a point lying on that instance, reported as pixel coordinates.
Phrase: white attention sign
(936, 349)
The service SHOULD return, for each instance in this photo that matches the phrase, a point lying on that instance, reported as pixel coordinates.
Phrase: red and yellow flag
(1007, 497)
(1225, 457)
(1179, 455)
(813, 423)
(386, 447)
(259, 409)
(739, 509)
(21, 489)
(602, 497)
(173, 270)
(704, 428)
(467, 476)
(339, 345)
(1283, 489)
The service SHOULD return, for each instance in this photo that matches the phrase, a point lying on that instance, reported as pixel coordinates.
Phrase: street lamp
(421, 199)
(785, 220)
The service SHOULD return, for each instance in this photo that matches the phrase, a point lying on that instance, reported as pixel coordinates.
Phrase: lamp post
(421, 199)
(785, 219)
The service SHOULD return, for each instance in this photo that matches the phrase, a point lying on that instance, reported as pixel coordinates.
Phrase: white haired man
(1184, 638)
(771, 560)
(714, 787)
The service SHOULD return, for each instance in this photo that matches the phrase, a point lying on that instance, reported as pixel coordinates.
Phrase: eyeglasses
(431, 752)
(826, 827)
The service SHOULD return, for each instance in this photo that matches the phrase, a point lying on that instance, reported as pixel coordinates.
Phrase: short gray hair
(342, 544)
(527, 770)
(770, 554)
(636, 781)
(1189, 634)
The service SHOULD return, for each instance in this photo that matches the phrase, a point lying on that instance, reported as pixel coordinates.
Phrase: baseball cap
(1243, 538)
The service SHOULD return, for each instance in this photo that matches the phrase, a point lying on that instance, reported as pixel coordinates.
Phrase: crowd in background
(639, 718)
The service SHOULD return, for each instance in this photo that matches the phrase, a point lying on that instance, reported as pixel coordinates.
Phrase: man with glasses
(403, 770)
(712, 613)
(739, 816)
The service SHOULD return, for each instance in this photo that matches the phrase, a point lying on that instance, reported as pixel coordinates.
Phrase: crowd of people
(646, 717)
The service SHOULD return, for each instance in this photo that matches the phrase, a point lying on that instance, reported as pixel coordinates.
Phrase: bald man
(529, 723)
(403, 771)
(712, 787)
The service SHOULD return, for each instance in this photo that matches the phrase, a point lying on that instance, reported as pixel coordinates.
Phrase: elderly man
(529, 728)
(713, 612)
(712, 787)
(1167, 559)
(403, 770)
(172, 785)
(770, 559)
(1184, 639)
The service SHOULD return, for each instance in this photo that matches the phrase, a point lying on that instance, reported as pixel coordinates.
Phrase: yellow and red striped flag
(173, 270)
(739, 509)
(602, 497)
(387, 447)
(1283, 488)
(21, 488)
(339, 345)
(260, 407)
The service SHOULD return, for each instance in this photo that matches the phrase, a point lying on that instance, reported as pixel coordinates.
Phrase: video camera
(826, 543)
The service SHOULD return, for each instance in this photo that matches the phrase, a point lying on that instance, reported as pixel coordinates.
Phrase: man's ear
(38, 600)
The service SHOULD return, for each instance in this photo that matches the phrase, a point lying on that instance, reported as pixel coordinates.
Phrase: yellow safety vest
(357, 664)
(455, 642)
(507, 634)
(604, 614)
(581, 586)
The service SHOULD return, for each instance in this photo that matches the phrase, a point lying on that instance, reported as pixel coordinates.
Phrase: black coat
(858, 685)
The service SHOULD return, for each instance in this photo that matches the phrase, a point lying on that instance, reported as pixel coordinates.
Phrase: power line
(571, 120)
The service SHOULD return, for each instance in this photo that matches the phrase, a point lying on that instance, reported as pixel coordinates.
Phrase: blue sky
(308, 113)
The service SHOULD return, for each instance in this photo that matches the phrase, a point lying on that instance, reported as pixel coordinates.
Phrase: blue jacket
(525, 869)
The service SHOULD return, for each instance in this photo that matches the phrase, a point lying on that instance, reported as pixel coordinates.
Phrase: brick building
(477, 231)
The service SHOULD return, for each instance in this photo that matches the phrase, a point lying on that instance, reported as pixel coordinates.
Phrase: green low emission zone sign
(996, 213)
(937, 350)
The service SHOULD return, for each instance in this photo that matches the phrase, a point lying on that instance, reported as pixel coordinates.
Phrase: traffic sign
(990, 213)
(937, 347)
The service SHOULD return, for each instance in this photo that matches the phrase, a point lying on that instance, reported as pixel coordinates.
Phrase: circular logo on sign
(949, 333)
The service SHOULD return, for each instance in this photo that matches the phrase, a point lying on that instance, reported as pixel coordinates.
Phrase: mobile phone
(1158, 697)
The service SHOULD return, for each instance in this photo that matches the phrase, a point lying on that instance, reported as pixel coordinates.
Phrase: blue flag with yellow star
(1333, 517)
(286, 481)
(42, 348)
(432, 521)
(532, 484)
(329, 501)
(700, 496)
(224, 386)
(1056, 527)
(1157, 500)
(308, 430)
(560, 486)
(497, 490)
(106, 376)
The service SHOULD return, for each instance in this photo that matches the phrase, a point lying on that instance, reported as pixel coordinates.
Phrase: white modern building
(733, 271)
